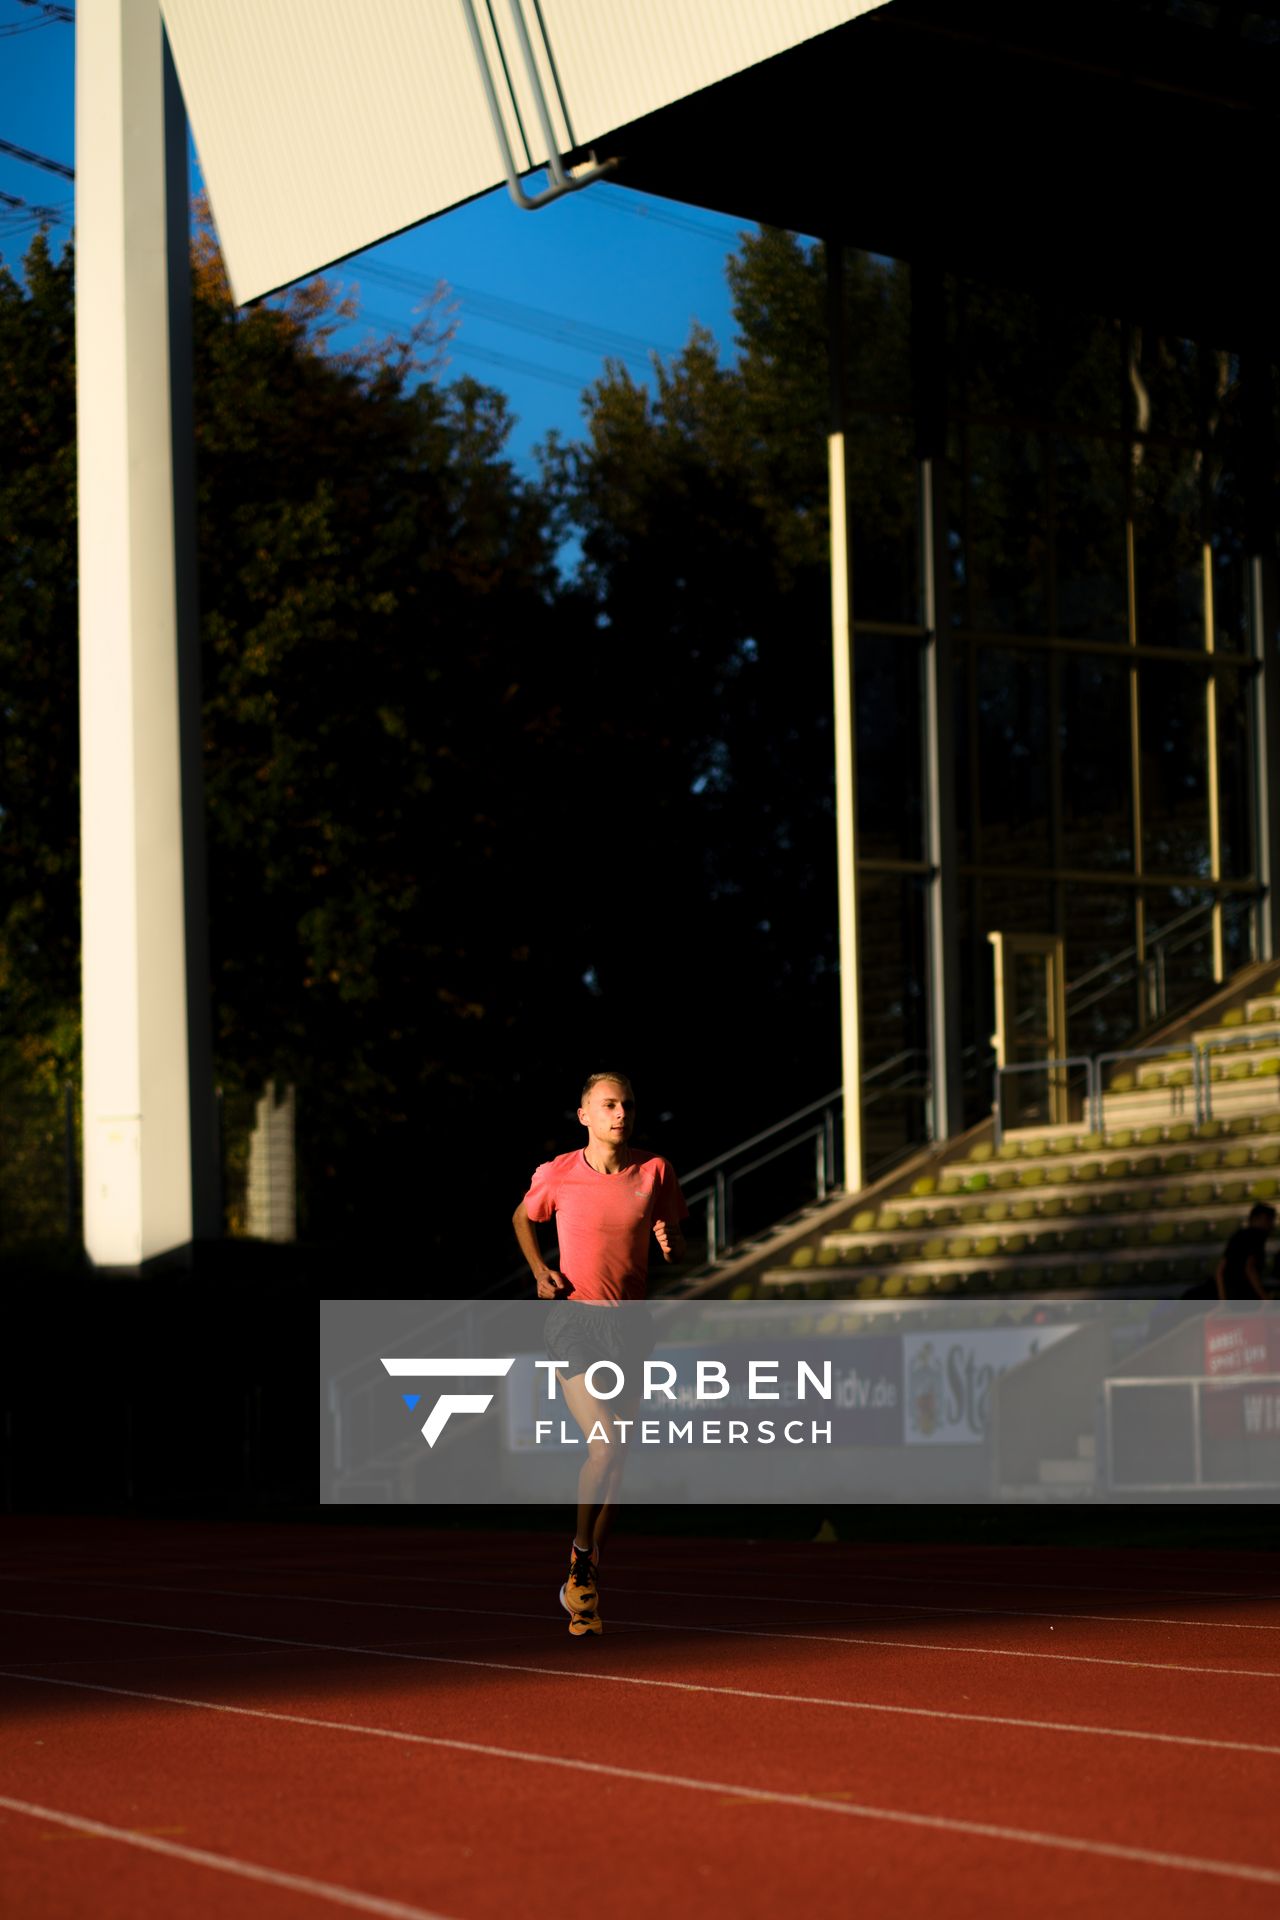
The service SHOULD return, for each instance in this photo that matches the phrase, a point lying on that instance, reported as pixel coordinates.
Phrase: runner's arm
(551, 1285)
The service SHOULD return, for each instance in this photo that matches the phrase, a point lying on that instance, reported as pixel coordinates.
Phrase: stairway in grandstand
(1143, 1206)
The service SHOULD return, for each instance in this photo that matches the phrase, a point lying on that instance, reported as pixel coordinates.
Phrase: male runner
(606, 1199)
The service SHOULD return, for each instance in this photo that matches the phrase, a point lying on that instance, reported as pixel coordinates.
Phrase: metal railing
(1198, 1054)
(814, 1125)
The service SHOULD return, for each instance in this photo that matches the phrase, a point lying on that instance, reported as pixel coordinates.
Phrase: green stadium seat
(1004, 1178)
(1151, 1137)
(830, 1256)
(987, 1247)
(1233, 1017)
(923, 1187)
(1239, 1070)
(1269, 1123)
(1034, 1149)
(1182, 1130)
(1052, 1208)
(916, 1217)
(1264, 1189)
(1023, 1210)
(1120, 1083)
(1144, 1169)
(1058, 1175)
(919, 1283)
(1080, 1202)
(1162, 1234)
(1116, 1170)
(801, 1257)
(933, 1249)
(1031, 1177)
(958, 1249)
(887, 1220)
(1179, 1077)
(996, 1211)
(1232, 1193)
(951, 1183)
(1192, 1232)
(1268, 1067)
(1242, 1123)
(1008, 1150)
(1091, 1273)
(1099, 1239)
(1177, 1162)
(868, 1287)
(1259, 1015)
(1236, 1157)
(980, 1154)
(1122, 1137)
(1209, 1130)
(1015, 1243)
(1266, 1151)
(1150, 1077)
(977, 1183)
(862, 1222)
(1169, 1197)
(893, 1286)
(1092, 1142)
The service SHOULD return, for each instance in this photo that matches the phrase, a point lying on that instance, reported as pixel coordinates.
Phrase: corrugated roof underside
(322, 125)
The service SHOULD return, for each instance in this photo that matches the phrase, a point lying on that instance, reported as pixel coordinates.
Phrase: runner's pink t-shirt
(603, 1220)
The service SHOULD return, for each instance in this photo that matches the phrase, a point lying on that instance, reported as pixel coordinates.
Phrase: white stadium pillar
(140, 1197)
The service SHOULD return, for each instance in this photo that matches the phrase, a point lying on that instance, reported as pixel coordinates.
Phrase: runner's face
(609, 1113)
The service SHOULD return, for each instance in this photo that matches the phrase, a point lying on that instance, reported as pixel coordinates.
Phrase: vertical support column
(1264, 603)
(938, 715)
(1264, 636)
(140, 1198)
(844, 729)
(1214, 775)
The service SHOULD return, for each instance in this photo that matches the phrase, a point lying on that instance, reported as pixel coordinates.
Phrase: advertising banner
(948, 1377)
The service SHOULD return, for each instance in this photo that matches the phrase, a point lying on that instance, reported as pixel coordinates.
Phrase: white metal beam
(138, 1091)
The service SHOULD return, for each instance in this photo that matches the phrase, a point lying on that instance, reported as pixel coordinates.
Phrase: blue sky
(541, 297)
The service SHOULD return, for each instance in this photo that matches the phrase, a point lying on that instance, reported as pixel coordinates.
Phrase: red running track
(252, 1721)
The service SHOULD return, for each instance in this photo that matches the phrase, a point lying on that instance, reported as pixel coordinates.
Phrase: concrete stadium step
(1222, 1216)
(1170, 1106)
(1190, 1262)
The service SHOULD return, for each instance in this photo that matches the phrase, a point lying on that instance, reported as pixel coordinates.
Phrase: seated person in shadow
(1241, 1272)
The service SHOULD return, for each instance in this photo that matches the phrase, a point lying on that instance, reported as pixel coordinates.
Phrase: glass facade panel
(885, 532)
(1179, 948)
(890, 775)
(1168, 533)
(1164, 374)
(1012, 776)
(1090, 591)
(1087, 371)
(1100, 930)
(1001, 538)
(1175, 771)
(998, 360)
(893, 971)
(1236, 693)
(1097, 788)
(1229, 552)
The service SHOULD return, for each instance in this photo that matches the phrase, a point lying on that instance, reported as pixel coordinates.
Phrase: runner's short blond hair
(594, 1079)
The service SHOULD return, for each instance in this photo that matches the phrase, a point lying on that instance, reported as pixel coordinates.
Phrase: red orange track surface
(248, 1721)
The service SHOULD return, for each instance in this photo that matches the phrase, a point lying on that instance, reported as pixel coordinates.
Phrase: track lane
(647, 1841)
(1043, 1778)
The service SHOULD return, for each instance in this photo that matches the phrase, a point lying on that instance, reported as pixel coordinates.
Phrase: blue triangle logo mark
(411, 1400)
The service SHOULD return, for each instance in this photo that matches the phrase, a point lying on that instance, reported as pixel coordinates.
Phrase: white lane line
(440, 1659)
(659, 1592)
(814, 1803)
(368, 1569)
(734, 1693)
(224, 1863)
(678, 1593)
(665, 1626)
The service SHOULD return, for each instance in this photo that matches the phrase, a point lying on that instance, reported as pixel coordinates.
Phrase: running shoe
(579, 1593)
(582, 1620)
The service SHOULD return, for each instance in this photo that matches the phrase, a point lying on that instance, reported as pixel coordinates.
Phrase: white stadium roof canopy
(323, 126)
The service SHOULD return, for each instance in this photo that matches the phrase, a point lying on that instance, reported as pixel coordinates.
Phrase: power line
(37, 160)
(490, 356)
(584, 335)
